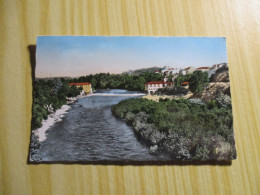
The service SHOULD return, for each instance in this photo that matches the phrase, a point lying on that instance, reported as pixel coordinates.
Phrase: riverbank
(89, 132)
(100, 94)
(172, 126)
(57, 116)
(53, 118)
(39, 135)
(156, 98)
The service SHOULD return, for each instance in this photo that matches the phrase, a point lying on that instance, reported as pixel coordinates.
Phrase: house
(188, 70)
(185, 85)
(157, 71)
(203, 69)
(153, 86)
(169, 71)
(173, 71)
(214, 68)
(85, 85)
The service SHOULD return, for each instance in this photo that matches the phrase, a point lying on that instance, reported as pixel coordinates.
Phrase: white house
(214, 68)
(153, 86)
(188, 70)
(169, 71)
(203, 69)
(173, 71)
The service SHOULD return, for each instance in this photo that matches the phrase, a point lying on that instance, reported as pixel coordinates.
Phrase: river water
(90, 132)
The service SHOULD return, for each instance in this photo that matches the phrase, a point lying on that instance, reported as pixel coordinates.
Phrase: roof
(83, 83)
(157, 82)
(202, 68)
(185, 83)
(187, 68)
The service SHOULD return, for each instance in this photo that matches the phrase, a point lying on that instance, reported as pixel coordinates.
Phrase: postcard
(131, 99)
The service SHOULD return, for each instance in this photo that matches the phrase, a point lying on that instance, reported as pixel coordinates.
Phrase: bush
(197, 80)
(193, 126)
(51, 92)
(172, 91)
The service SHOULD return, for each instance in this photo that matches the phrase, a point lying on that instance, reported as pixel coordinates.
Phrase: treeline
(184, 129)
(197, 80)
(178, 91)
(50, 95)
(144, 70)
(119, 81)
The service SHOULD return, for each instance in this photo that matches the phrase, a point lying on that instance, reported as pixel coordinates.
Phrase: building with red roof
(203, 69)
(184, 83)
(187, 70)
(153, 86)
(86, 86)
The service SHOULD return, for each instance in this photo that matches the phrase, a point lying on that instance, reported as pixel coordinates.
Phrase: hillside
(218, 88)
(213, 90)
(221, 75)
(143, 70)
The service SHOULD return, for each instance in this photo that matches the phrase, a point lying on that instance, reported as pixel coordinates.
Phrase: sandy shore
(107, 94)
(53, 118)
(157, 97)
(57, 116)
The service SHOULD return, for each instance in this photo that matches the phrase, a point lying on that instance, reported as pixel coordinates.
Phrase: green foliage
(51, 92)
(144, 70)
(187, 120)
(172, 91)
(197, 80)
(119, 81)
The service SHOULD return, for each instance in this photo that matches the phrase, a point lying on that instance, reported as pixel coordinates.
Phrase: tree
(197, 81)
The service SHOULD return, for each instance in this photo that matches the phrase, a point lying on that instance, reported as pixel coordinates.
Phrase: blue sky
(82, 55)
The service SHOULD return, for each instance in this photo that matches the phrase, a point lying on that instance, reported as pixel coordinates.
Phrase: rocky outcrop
(221, 75)
(214, 90)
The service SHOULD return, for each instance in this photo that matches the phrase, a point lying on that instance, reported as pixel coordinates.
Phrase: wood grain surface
(22, 20)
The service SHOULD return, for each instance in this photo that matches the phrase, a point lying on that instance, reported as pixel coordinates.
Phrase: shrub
(192, 126)
(172, 91)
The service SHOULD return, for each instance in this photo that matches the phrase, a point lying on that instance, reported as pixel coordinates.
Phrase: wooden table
(20, 23)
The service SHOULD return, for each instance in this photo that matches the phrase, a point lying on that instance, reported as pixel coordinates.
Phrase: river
(90, 132)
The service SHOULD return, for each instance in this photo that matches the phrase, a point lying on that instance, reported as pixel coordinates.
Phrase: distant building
(185, 85)
(169, 71)
(203, 69)
(173, 71)
(157, 71)
(188, 70)
(85, 85)
(214, 68)
(153, 86)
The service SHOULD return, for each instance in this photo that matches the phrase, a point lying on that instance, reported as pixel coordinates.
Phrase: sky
(73, 56)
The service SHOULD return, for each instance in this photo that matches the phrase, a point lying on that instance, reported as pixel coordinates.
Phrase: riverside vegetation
(186, 130)
(54, 92)
(49, 96)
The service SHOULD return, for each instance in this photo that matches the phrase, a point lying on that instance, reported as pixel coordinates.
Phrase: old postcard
(126, 99)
